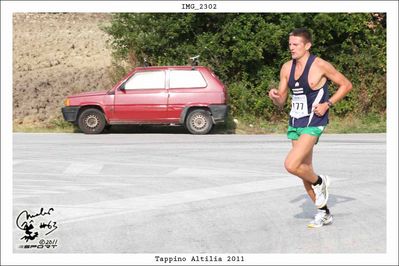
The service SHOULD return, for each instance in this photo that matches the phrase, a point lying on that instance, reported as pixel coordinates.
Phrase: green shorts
(294, 133)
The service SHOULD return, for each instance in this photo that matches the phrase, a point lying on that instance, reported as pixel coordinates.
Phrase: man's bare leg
(301, 152)
(295, 164)
(309, 163)
(323, 216)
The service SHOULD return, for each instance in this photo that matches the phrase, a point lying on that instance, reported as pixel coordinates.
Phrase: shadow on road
(308, 208)
(157, 129)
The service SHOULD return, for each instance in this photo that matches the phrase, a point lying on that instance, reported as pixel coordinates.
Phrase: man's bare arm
(279, 96)
(344, 85)
(335, 76)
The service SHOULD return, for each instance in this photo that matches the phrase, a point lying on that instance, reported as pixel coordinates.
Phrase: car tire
(91, 121)
(199, 122)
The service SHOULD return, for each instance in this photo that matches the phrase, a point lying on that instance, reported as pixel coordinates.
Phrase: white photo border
(10, 7)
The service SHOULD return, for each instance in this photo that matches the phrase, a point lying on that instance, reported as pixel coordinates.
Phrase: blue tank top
(304, 97)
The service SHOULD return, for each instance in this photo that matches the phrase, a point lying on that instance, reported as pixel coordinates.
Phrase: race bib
(299, 106)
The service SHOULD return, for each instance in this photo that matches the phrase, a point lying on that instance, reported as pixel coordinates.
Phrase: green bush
(247, 50)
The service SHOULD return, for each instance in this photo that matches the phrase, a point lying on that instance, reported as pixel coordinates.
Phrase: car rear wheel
(199, 122)
(91, 121)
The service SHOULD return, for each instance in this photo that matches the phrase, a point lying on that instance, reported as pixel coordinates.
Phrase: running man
(307, 78)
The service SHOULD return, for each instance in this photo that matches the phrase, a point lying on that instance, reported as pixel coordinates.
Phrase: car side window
(186, 79)
(146, 80)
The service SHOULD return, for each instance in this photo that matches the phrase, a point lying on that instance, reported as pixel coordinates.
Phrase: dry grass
(350, 124)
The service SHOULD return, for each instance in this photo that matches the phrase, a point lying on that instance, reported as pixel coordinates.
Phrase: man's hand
(275, 96)
(320, 109)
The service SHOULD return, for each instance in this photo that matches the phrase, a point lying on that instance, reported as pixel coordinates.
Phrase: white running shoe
(321, 192)
(321, 218)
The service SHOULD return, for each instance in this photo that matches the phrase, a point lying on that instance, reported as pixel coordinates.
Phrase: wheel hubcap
(199, 121)
(92, 121)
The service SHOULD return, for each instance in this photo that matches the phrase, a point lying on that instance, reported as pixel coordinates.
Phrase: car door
(142, 98)
(186, 88)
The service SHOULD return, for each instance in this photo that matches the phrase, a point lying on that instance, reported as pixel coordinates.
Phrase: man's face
(298, 47)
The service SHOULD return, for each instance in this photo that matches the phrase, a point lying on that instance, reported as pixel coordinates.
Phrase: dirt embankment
(55, 55)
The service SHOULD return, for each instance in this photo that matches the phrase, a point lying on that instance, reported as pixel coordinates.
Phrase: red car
(171, 95)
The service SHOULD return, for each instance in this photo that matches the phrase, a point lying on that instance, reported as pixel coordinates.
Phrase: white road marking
(41, 187)
(74, 213)
(208, 172)
(34, 191)
(24, 181)
(75, 169)
(16, 162)
(80, 168)
(25, 196)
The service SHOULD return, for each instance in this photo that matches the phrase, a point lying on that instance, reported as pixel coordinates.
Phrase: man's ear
(308, 45)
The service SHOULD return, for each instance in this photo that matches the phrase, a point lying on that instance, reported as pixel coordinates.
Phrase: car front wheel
(91, 121)
(199, 122)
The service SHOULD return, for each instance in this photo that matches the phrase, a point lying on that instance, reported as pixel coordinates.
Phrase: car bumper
(70, 113)
(219, 113)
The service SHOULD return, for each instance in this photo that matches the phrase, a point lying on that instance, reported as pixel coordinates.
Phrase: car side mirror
(122, 87)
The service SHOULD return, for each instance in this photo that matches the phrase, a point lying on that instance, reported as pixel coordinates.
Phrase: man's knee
(291, 166)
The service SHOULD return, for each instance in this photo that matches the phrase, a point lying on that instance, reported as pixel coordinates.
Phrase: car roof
(149, 68)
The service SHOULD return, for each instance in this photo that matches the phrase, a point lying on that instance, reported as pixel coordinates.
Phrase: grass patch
(338, 125)
(366, 124)
(54, 126)
(259, 126)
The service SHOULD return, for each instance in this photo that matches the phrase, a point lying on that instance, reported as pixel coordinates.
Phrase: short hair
(302, 32)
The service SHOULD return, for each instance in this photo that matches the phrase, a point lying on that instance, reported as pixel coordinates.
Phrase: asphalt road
(166, 193)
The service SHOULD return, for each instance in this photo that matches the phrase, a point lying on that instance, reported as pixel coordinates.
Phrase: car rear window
(186, 79)
(146, 80)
